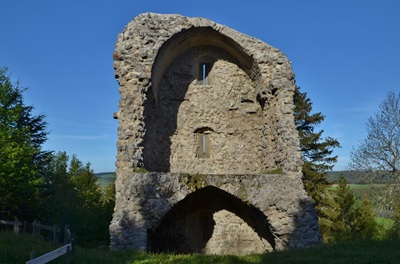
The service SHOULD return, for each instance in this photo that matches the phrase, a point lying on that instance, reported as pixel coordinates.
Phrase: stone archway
(212, 221)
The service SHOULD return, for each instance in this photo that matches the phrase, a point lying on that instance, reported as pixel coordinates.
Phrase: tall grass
(16, 249)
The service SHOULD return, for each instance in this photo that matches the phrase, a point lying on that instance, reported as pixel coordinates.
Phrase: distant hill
(357, 177)
(105, 178)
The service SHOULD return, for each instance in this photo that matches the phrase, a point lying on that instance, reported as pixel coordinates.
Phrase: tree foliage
(22, 160)
(364, 225)
(345, 200)
(339, 217)
(380, 150)
(316, 151)
(76, 199)
(37, 184)
(346, 218)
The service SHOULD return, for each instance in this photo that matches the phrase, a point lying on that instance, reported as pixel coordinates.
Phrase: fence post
(66, 234)
(16, 225)
(32, 254)
(55, 234)
(69, 255)
(34, 228)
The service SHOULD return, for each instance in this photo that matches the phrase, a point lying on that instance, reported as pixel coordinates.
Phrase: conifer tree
(316, 151)
(21, 158)
(364, 225)
(317, 160)
(344, 198)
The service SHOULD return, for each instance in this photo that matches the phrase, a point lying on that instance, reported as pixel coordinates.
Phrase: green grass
(105, 178)
(15, 249)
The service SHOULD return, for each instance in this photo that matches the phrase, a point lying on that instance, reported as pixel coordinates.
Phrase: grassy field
(16, 249)
(105, 178)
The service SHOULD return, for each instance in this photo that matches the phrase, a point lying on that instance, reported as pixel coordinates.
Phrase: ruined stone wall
(163, 211)
(145, 202)
(209, 112)
(232, 235)
(225, 109)
(256, 91)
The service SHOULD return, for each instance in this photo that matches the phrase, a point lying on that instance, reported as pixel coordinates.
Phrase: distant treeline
(357, 177)
(352, 177)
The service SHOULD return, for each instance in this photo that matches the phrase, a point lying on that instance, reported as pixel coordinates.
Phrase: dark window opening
(203, 136)
(204, 70)
(203, 145)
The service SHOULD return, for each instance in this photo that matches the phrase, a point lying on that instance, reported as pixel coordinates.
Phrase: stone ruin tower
(208, 154)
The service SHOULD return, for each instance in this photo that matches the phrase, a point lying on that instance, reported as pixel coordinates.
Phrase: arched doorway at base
(212, 221)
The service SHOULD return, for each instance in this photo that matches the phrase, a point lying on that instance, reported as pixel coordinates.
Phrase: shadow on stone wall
(161, 115)
(304, 231)
(190, 224)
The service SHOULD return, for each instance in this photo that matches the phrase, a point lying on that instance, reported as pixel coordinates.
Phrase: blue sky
(345, 54)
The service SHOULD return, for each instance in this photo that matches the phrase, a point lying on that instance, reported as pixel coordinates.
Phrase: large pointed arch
(192, 225)
(187, 39)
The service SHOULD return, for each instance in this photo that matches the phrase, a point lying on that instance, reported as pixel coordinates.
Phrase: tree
(356, 219)
(21, 160)
(345, 200)
(395, 231)
(379, 152)
(364, 225)
(316, 151)
(317, 160)
(76, 199)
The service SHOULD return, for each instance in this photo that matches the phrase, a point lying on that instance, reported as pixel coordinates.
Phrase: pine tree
(316, 151)
(329, 212)
(21, 160)
(344, 198)
(364, 225)
(317, 160)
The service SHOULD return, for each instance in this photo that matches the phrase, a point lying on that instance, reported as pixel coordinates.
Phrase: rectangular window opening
(203, 146)
(204, 69)
(204, 75)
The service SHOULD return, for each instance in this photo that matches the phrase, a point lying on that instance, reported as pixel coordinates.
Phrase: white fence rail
(36, 230)
(37, 227)
(16, 223)
(51, 255)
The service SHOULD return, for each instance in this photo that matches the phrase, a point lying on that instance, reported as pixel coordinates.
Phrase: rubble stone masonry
(208, 112)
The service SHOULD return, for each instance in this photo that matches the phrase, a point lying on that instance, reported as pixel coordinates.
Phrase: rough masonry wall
(225, 110)
(269, 211)
(145, 51)
(209, 138)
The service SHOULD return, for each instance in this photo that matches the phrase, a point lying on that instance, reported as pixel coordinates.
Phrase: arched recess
(211, 220)
(179, 99)
(188, 39)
